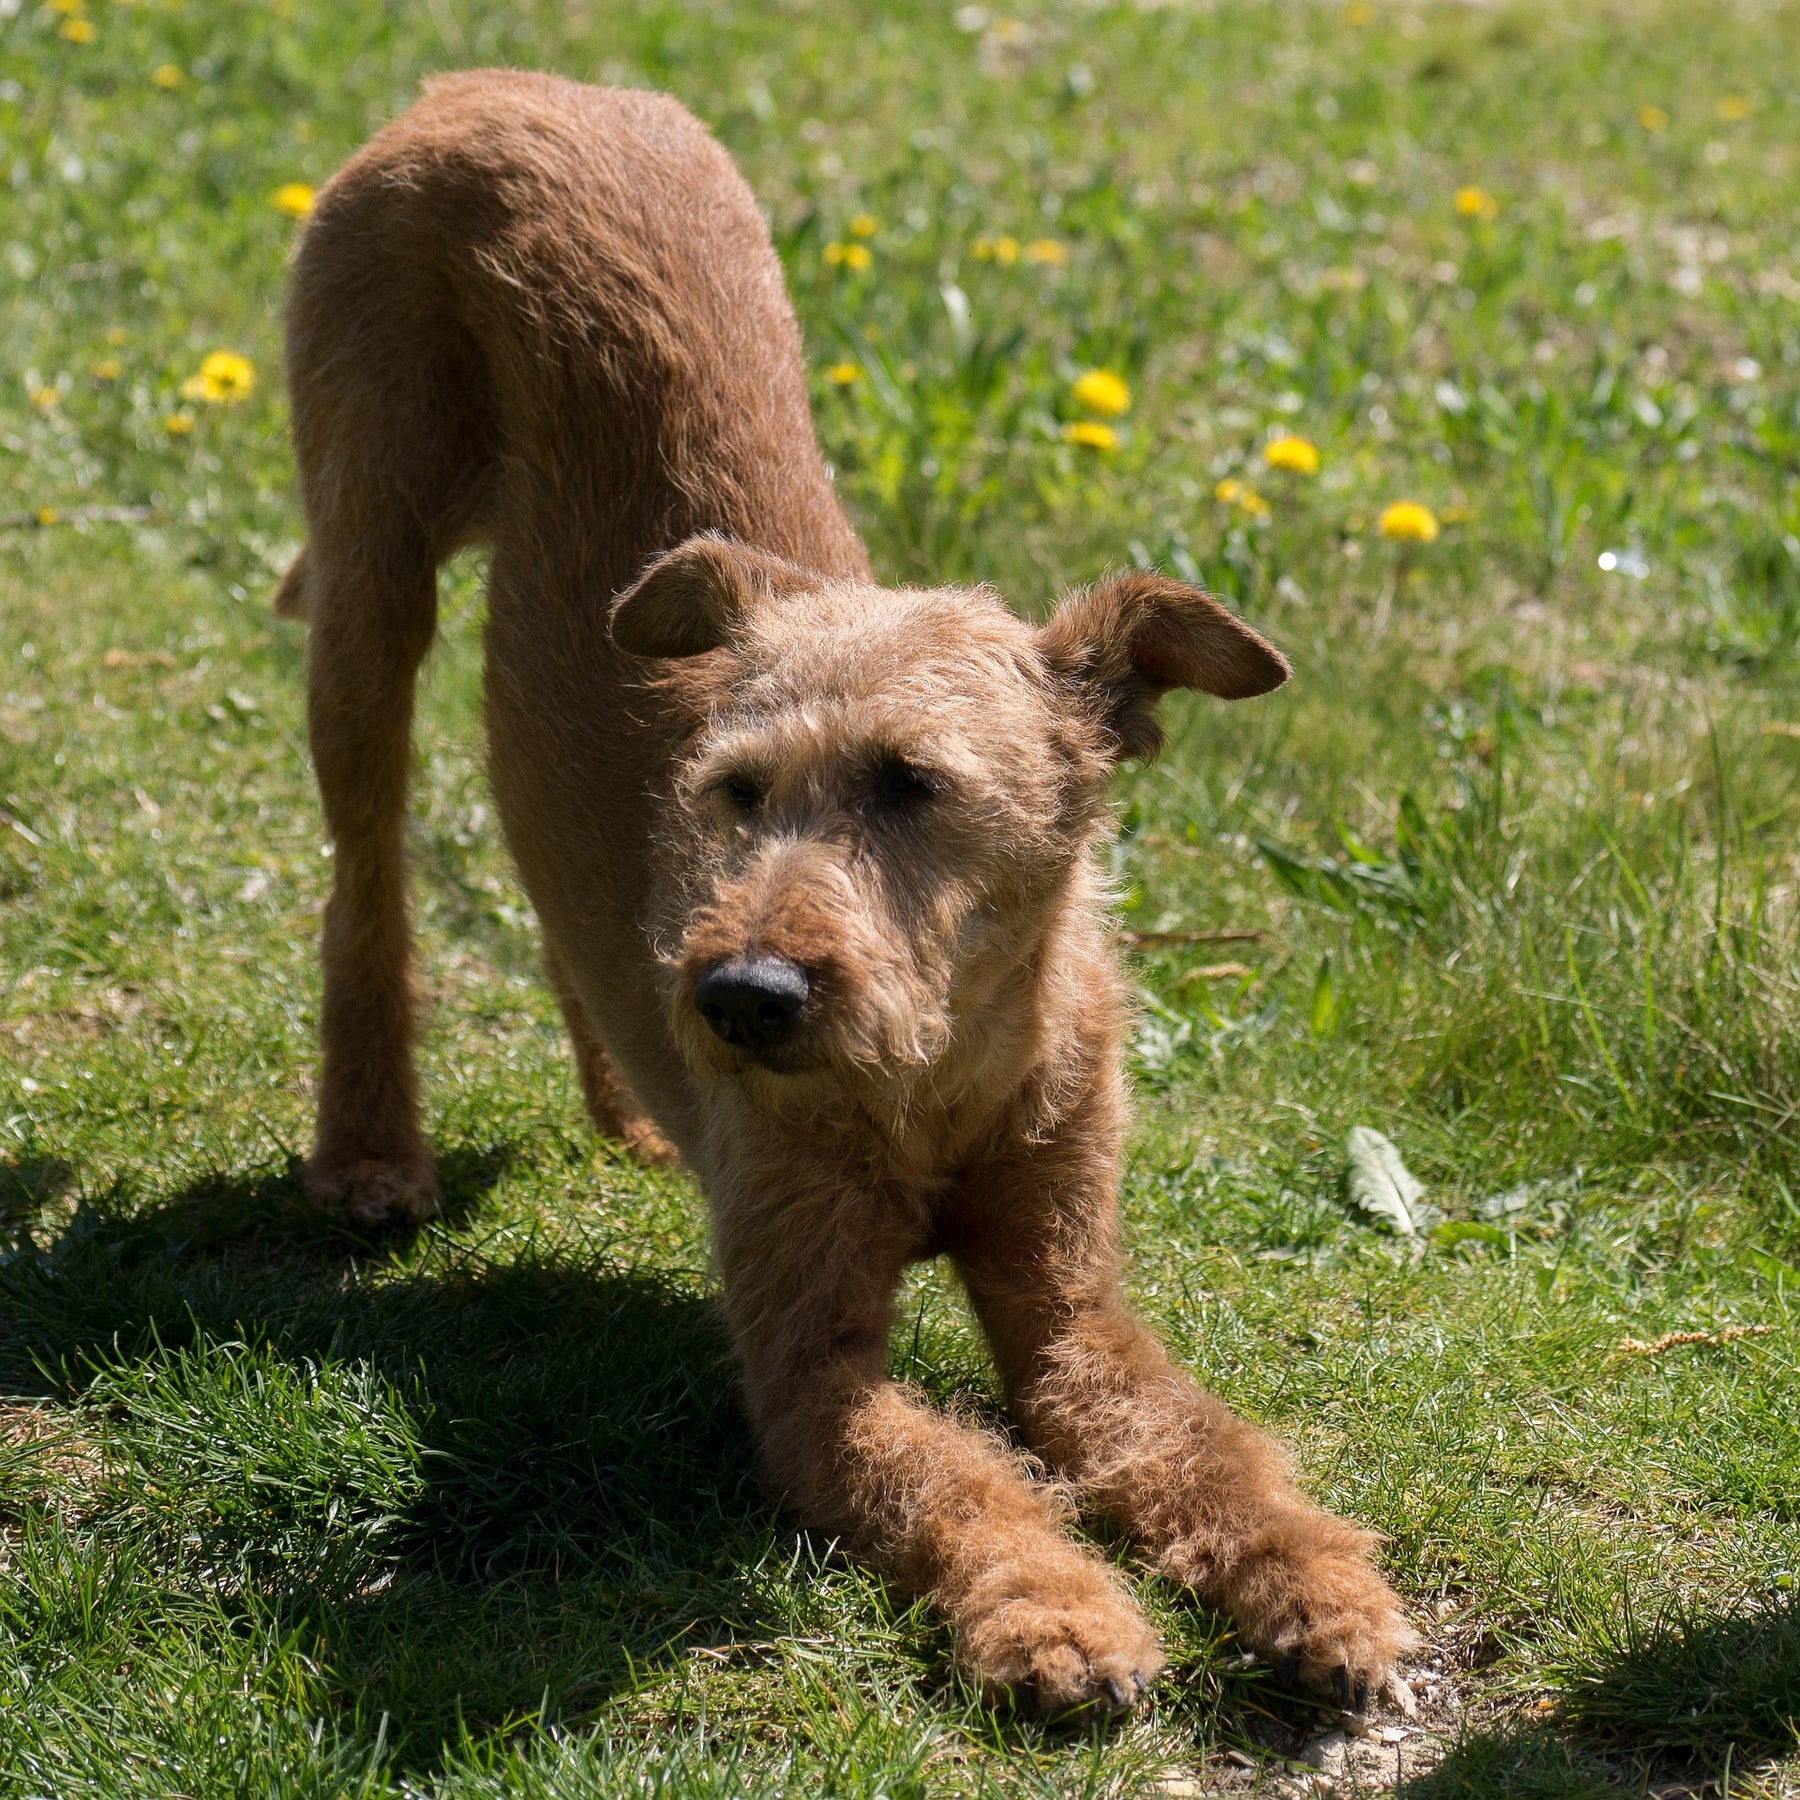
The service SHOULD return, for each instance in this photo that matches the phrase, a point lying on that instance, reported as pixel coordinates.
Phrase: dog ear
(1126, 642)
(693, 598)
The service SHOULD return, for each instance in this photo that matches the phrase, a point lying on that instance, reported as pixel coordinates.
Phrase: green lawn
(1510, 870)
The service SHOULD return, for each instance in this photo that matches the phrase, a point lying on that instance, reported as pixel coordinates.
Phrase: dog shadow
(580, 1504)
(1675, 1705)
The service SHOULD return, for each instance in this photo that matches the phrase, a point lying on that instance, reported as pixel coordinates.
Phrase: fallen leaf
(1381, 1184)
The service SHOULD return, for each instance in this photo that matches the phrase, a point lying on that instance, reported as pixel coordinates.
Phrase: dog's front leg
(935, 1508)
(1094, 1392)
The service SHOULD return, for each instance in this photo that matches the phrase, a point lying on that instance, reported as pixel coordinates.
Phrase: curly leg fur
(1209, 1497)
(937, 1508)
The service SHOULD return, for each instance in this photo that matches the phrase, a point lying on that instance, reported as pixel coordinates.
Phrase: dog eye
(901, 784)
(742, 792)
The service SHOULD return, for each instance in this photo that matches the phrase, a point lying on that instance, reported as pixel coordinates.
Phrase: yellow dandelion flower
(294, 198)
(46, 515)
(833, 253)
(167, 75)
(1101, 391)
(843, 374)
(1735, 108)
(179, 424)
(863, 225)
(1047, 250)
(1408, 521)
(1358, 13)
(1092, 434)
(1232, 492)
(77, 30)
(1476, 203)
(1653, 118)
(224, 377)
(106, 369)
(1297, 455)
(1006, 251)
(68, 6)
(858, 257)
(44, 398)
(982, 249)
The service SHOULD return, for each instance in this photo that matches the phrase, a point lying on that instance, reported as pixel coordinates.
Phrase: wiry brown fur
(547, 319)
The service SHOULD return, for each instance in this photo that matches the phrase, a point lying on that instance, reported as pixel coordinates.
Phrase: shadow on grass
(1693, 1694)
(582, 1504)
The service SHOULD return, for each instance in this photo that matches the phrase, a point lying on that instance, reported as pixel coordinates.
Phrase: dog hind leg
(611, 1105)
(372, 614)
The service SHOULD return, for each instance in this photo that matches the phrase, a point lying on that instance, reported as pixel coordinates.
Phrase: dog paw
(1051, 1656)
(1309, 1600)
(374, 1191)
(647, 1145)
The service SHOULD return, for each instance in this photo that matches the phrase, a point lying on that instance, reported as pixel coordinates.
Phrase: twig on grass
(1157, 940)
(1671, 1340)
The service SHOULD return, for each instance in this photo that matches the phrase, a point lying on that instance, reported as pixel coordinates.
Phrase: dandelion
(1359, 13)
(1653, 118)
(863, 225)
(1408, 522)
(1232, 492)
(842, 374)
(294, 198)
(1476, 203)
(1006, 251)
(1735, 108)
(77, 30)
(179, 424)
(858, 257)
(1046, 250)
(67, 6)
(224, 378)
(46, 515)
(106, 369)
(44, 398)
(1101, 391)
(833, 253)
(167, 75)
(1092, 434)
(1297, 455)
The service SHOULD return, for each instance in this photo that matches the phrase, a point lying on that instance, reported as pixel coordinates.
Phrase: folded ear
(694, 597)
(1126, 642)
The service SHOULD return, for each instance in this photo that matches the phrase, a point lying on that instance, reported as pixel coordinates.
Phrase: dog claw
(1342, 1677)
(1362, 1695)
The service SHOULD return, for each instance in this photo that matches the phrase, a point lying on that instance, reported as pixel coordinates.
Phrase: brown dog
(813, 859)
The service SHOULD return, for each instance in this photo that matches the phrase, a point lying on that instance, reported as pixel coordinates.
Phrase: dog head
(888, 794)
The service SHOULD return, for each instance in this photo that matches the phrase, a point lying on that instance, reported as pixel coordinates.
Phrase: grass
(1512, 863)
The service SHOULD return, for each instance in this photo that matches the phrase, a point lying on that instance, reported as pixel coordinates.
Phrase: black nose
(751, 1000)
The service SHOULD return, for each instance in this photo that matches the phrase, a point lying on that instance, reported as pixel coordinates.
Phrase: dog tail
(290, 596)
